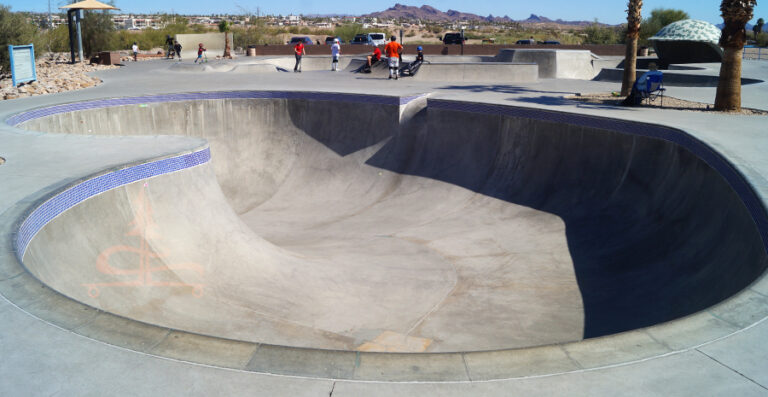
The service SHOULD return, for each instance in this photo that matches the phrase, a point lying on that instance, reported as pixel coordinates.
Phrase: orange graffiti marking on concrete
(142, 227)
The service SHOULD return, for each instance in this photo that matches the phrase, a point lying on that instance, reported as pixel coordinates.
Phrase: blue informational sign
(22, 63)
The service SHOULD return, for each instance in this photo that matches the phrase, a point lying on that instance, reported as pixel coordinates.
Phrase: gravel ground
(54, 74)
(669, 103)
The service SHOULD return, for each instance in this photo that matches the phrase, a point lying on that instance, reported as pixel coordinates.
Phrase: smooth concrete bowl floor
(404, 228)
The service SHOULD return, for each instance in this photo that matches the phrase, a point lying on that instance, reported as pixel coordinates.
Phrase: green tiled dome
(688, 30)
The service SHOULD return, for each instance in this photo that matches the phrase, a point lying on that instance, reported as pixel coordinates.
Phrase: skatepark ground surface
(491, 227)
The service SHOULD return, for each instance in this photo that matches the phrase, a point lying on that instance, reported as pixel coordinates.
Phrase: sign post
(22, 63)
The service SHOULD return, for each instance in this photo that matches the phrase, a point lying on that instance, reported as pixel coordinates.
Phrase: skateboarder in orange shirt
(393, 50)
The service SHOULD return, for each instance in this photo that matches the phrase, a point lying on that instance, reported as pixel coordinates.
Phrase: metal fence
(754, 52)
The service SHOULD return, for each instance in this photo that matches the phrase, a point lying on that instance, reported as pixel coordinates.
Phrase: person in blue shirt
(414, 66)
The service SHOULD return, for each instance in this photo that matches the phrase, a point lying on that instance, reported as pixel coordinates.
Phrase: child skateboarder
(335, 52)
(414, 66)
(200, 51)
(372, 59)
(177, 49)
(135, 49)
(298, 51)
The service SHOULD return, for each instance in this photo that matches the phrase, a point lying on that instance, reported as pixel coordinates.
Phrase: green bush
(98, 32)
(56, 40)
(436, 29)
(660, 17)
(762, 39)
(597, 34)
(16, 30)
(347, 32)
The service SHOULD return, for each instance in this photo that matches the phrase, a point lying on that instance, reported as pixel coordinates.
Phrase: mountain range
(429, 13)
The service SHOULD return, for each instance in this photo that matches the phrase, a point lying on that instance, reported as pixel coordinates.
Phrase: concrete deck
(719, 351)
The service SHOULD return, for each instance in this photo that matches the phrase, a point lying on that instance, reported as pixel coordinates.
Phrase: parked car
(329, 40)
(453, 38)
(301, 39)
(360, 39)
(377, 38)
(553, 42)
(370, 39)
(526, 41)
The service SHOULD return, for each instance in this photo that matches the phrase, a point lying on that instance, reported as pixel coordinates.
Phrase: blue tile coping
(103, 103)
(67, 199)
(80, 192)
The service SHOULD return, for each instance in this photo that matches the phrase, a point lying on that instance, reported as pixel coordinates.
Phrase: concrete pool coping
(641, 346)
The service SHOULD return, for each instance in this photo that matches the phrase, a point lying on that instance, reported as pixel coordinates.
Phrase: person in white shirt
(335, 52)
(135, 48)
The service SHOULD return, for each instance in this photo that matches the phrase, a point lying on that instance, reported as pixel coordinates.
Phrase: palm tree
(758, 27)
(630, 57)
(736, 14)
(225, 27)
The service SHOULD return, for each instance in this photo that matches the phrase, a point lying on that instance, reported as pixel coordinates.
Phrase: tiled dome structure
(687, 41)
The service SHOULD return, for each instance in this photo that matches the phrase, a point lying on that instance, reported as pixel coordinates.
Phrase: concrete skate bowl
(327, 234)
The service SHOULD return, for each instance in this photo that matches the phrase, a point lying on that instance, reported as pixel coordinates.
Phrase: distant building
(292, 20)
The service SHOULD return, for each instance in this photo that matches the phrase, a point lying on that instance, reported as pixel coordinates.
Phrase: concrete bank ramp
(401, 228)
(554, 64)
(498, 72)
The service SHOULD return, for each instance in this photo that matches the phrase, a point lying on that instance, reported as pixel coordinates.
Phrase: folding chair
(654, 87)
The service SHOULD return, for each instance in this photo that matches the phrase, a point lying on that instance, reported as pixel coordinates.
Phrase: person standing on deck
(394, 51)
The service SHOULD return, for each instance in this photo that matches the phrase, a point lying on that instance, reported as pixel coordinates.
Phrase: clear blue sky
(607, 11)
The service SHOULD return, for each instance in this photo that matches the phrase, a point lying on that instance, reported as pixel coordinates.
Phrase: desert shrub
(660, 17)
(56, 39)
(762, 40)
(436, 29)
(348, 31)
(598, 34)
(15, 29)
(98, 32)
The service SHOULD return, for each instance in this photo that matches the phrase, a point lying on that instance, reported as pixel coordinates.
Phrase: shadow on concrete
(501, 88)
(654, 232)
(560, 101)
(329, 123)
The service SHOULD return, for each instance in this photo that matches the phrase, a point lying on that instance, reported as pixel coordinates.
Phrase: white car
(377, 38)
(370, 39)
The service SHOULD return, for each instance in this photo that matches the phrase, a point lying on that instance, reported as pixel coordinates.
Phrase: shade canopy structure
(89, 5)
(74, 15)
(687, 41)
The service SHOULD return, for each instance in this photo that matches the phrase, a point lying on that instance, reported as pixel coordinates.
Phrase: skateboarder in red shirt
(200, 51)
(298, 50)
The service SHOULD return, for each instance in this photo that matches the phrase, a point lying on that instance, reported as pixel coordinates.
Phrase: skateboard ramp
(398, 224)
(214, 43)
(554, 64)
